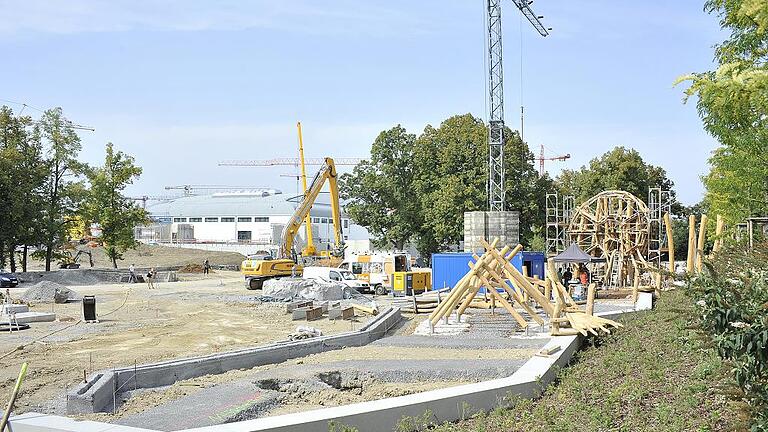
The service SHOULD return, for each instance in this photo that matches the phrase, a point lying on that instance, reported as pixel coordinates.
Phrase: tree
(453, 162)
(380, 192)
(618, 169)
(107, 206)
(62, 190)
(733, 104)
(22, 175)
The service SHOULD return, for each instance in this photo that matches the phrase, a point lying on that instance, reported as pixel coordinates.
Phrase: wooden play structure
(509, 287)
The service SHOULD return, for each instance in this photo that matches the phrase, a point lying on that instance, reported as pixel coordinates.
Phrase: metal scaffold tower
(659, 203)
(559, 214)
(496, 97)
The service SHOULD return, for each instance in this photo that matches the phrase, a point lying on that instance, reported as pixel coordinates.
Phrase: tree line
(49, 199)
(415, 189)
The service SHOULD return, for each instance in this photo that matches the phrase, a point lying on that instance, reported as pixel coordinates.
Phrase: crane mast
(496, 189)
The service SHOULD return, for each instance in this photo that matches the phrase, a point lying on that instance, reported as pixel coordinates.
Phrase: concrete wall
(98, 393)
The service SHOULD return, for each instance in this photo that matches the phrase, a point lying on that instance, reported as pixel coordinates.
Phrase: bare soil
(199, 316)
(153, 256)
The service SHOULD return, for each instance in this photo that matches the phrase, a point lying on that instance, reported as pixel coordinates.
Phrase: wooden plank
(691, 243)
(591, 298)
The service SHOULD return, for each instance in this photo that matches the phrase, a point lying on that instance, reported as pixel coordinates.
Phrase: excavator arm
(327, 172)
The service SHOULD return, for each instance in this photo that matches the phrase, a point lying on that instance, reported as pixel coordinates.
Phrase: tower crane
(190, 189)
(496, 96)
(542, 158)
(296, 162)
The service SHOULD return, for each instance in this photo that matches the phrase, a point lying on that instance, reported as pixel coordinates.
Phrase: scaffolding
(559, 214)
(659, 203)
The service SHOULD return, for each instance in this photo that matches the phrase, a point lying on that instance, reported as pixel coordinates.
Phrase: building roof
(232, 205)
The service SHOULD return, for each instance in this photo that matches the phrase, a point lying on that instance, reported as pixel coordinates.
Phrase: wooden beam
(700, 243)
(670, 242)
(691, 244)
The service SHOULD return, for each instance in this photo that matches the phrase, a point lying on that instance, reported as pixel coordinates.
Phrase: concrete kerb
(99, 392)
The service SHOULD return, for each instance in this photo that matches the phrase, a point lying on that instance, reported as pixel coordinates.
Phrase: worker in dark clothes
(567, 276)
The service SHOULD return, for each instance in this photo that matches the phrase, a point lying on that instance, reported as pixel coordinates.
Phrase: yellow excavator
(288, 263)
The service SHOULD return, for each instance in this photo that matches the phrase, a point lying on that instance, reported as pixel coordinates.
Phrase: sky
(184, 84)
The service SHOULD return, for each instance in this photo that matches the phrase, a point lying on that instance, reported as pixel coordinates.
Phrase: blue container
(535, 262)
(449, 268)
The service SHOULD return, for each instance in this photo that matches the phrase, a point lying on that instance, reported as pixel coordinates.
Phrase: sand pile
(49, 292)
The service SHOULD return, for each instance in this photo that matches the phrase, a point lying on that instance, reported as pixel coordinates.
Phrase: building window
(346, 223)
(324, 220)
(261, 219)
(244, 219)
(315, 220)
(179, 219)
(227, 219)
(212, 219)
(243, 236)
(195, 219)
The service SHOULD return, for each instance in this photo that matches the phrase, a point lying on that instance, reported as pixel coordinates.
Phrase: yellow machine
(411, 282)
(256, 271)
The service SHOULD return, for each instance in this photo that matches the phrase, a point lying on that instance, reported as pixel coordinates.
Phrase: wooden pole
(14, 395)
(718, 234)
(591, 299)
(700, 243)
(691, 243)
(670, 242)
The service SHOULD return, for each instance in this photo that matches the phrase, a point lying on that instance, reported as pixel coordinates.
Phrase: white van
(338, 275)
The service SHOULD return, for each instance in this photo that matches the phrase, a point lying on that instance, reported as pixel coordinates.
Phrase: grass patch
(656, 374)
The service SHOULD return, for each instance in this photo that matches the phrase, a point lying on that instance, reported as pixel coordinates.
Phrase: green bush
(732, 299)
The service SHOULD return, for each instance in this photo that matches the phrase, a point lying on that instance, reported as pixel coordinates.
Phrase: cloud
(84, 16)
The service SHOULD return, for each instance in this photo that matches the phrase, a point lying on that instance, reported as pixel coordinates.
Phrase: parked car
(338, 275)
(8, 280)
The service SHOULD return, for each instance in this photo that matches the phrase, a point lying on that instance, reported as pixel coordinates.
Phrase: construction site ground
(196, 316)
(399, 364)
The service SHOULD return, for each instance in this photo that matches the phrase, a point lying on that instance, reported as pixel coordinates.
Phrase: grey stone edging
(99, 393)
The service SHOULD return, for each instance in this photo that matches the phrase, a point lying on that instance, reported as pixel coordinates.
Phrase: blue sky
(182, 85)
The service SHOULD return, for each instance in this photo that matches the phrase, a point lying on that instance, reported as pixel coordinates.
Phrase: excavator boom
(327, 172)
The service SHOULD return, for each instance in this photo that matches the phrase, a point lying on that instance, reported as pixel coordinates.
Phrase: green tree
(733, 104)
(21, 178)
(107, 206)
(380, 192)
(62, 191)
(453, 162)
(619, 169)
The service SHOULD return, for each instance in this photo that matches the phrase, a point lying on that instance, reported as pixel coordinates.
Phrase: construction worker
(567, 276)
(131, 274)
(151, 278)
(206, 266)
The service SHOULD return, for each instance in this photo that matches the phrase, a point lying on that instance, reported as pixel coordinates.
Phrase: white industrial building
(246, 222)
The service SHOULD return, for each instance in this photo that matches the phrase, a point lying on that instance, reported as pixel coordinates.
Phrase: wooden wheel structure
(613, 225)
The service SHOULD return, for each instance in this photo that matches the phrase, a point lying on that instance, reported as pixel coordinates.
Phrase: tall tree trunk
(24, 259)
(11, 252)
(48, 255)
(2, 254)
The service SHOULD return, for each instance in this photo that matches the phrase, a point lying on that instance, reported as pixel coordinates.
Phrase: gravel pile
(49, 292)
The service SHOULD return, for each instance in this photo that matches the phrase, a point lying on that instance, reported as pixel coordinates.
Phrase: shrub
(733, 303)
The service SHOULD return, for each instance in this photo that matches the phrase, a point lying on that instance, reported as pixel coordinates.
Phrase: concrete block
(338, 313)
(96, 395)
(17, 308)
(644, 301)
(314, 313)
(299, 313)
(290, 307)
(28, 317)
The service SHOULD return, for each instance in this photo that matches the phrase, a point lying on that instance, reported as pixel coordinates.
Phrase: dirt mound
(49, 292)
(193, 268)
